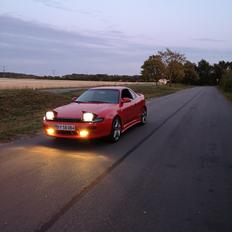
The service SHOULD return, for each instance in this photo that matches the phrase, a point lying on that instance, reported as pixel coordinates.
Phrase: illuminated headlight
(50, 115)
(88, 117)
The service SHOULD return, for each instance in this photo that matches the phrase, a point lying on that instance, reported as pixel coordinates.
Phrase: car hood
(75, 110)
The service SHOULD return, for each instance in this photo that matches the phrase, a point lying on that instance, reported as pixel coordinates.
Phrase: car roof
(110, 87)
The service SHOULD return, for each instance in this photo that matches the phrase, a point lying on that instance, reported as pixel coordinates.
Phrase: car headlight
(50, 115)
(88, 117)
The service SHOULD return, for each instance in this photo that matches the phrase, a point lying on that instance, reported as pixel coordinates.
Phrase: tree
(190, 74)
(174, 64)
(169, 56)
(176, 68)
(175, 71)
(205, 72)
(229, 66)
(226, 82)
(153, 69)
(219, 70)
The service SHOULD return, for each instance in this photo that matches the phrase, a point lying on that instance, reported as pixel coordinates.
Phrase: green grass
(228, 95)
(73, 93)
(22, 110)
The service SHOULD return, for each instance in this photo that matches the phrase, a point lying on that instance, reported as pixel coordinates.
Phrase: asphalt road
(174, 174)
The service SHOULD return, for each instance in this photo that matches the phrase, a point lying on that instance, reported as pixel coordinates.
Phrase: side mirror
(125, 100)
(74, 99)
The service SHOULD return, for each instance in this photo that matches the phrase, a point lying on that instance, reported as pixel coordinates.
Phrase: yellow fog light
(84, 133)
(50, 131)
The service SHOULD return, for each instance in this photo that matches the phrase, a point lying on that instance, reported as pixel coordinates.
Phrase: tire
(116, 130)
(144, 116)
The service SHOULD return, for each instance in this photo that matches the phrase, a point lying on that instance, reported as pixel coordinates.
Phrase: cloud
(43, 47)
(210, 40)
(54, 4)
(33, 47)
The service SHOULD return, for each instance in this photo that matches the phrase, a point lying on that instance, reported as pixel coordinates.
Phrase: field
(10, 83)
(22, 109)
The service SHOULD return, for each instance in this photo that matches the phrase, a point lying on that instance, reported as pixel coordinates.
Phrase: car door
(127, 110)
(137, 105)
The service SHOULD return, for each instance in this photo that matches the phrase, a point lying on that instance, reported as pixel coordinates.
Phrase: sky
(55, 37)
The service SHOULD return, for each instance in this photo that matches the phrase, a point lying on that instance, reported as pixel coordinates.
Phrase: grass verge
(151, 90)
(228, 95)
(22, 110)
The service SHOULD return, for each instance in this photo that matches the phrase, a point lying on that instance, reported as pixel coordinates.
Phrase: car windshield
(99, 96)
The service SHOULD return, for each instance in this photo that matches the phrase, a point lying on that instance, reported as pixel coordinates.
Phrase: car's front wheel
(144, 116)
(116, 130)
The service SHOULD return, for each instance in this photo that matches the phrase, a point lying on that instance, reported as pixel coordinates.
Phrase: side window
(126, 93)
(134, 95)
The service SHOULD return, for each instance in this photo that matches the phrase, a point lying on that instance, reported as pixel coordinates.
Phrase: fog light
(84, 133)
(50, 131)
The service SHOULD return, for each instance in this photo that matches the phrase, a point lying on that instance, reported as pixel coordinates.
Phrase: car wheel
(116, 130)
(144, 116)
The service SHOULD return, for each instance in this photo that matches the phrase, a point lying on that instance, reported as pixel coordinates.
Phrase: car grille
(68, 120)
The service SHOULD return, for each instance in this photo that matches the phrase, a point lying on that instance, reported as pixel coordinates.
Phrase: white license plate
(65, 127)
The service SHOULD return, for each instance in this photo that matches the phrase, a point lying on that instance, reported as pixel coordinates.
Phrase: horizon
(113, 38)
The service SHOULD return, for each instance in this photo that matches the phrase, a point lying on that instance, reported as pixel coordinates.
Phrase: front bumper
(83, 130)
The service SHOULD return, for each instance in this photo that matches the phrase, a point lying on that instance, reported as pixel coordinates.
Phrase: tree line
(174, 67)
(75, 76)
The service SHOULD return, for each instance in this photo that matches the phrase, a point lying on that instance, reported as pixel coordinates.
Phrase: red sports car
(98, 112)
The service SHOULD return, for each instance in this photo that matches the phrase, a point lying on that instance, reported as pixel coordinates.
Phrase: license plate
(65, 127)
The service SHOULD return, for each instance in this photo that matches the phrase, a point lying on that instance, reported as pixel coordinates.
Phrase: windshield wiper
(79, 102)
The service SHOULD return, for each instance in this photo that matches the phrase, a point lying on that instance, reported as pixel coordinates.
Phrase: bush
(227, 82)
